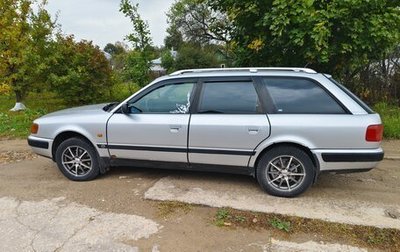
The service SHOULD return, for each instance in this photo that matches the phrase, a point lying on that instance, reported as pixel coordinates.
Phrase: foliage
(335, 36)
(138, 62)
(5, 89)
(174, 38)
(25, 35)
(17, 124)
(193, 56)
(390, 116)
(115, 49)
(196, 22)
(81, 73)
(280, 224)
(168, 61)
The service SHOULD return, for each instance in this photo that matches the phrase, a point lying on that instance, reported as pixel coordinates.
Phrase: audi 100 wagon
(283, 126)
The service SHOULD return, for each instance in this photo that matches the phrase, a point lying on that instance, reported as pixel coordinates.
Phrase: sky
(101, 21)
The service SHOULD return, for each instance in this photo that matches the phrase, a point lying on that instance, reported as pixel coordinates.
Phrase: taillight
(34, 128)
(374, 133)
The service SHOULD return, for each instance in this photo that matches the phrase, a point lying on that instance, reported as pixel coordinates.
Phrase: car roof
(233, 72)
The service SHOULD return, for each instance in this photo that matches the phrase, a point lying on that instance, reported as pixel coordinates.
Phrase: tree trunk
(18, 96)
(18, 101)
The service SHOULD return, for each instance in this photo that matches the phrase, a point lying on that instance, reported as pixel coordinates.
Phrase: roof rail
(250, 69)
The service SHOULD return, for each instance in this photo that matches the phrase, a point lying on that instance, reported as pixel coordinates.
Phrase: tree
(168, 61)
(197, 22)
(115, 49)
(138, 64)
(25, 36)
(174, 38)
(192, 56)
(332, 36)
(81, 74)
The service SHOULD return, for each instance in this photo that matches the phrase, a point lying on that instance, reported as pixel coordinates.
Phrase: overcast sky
(101, 21)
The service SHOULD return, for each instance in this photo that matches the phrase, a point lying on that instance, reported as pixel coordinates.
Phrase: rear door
(228, 122)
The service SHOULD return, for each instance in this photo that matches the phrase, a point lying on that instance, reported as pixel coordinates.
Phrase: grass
(364, 236)
(17, 124)
(391, 119)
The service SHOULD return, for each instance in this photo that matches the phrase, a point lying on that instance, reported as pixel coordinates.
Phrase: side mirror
(125, 108)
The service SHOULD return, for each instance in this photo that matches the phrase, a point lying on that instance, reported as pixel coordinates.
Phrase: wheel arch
(312, 156)
(62, 136)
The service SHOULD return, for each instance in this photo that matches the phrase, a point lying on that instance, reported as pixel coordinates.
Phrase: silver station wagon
(283, 126)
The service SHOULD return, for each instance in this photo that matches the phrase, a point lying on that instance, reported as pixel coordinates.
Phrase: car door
(227, 124)
(156, 126)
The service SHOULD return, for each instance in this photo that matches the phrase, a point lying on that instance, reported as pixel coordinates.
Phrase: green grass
(391, 119)
(17, 124)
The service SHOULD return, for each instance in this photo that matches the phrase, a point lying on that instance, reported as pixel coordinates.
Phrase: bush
(81, 74)
(390, 115)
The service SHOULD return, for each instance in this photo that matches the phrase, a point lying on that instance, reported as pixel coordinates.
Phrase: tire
(285, 171)
(78, 160)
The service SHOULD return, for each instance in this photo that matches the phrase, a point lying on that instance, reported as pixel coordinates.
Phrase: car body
(282, 125)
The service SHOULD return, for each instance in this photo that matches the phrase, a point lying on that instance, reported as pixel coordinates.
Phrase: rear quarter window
(300, 96)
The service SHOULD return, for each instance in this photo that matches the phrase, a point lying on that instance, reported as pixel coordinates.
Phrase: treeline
(355, 41)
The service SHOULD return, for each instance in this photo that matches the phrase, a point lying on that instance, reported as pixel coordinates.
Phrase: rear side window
(300, 96)
(229, 98)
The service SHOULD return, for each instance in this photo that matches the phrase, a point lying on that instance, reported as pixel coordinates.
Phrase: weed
(280, 224)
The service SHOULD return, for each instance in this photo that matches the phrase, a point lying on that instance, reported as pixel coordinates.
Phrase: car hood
(83, 110)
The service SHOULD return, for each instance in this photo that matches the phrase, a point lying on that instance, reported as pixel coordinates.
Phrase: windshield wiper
(110, 106)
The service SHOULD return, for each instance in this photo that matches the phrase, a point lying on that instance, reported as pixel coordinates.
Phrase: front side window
(172, 98)
(300, 96)
(229, 98)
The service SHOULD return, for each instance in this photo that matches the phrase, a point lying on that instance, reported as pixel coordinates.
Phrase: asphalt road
(40, 210)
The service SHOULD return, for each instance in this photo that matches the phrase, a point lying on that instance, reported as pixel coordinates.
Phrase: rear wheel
(77, 160)
(285, 171)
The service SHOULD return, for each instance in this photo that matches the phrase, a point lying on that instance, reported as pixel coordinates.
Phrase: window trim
(273, 110)
(200, 90)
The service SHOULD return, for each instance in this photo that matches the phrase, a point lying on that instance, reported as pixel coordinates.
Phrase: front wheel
(285, 171)
(77, 160)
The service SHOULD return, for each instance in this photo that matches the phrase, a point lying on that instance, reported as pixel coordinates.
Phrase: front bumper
(348, 159)
(41, 146)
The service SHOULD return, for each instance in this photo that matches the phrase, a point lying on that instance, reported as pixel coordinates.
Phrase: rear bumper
(348, 159)
(41, 146)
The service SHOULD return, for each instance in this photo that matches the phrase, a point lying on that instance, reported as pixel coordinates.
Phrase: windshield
(353, 96)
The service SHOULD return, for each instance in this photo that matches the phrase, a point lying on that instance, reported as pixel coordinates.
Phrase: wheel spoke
(275, 179)
(69, 162)
(276, 167)
(82, 154)
(88, 167)
(72, 154)
(288, 184)
(289, 163)
(295, 174)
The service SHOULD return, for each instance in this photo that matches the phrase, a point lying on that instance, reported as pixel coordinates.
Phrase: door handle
(253, 131)
(175, 128)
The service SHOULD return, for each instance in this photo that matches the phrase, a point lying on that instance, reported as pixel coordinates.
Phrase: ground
(131, 209)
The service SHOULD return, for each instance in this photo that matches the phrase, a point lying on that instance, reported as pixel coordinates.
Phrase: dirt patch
(7, 157)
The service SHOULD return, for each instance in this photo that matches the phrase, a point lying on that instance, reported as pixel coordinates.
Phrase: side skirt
(179, 166)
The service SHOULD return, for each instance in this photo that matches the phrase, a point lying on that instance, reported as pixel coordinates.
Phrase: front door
(156, 128)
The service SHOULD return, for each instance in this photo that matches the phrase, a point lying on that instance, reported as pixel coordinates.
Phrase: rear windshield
(353, 96)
